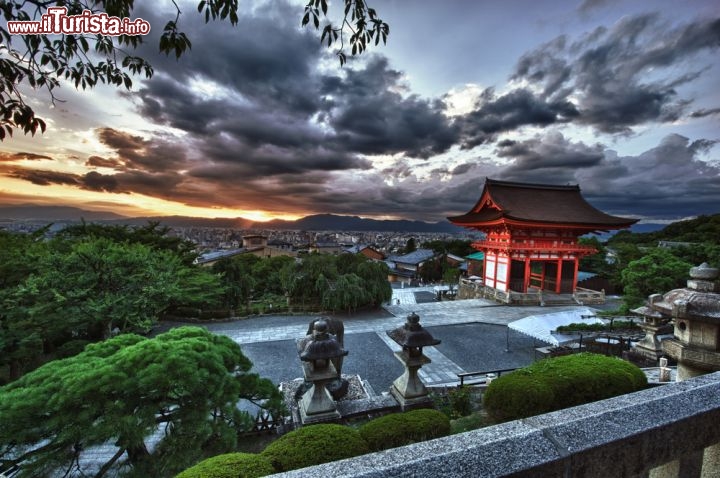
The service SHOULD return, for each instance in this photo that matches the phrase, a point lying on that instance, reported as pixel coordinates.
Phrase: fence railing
(587, 296)
(484, 373)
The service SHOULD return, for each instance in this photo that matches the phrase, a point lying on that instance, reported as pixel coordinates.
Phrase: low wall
(667, 431)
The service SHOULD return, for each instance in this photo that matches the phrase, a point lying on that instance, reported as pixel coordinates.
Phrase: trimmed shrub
(557, 383)
(231, 465)
(314, 445)
(400, 429)
(461, 402)
(471, 422)
(597, 327)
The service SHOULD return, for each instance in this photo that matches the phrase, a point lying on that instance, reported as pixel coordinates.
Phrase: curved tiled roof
(537, 203)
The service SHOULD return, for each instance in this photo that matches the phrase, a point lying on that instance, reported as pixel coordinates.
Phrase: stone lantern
(317, 352)
(408, 389)
(655, 324)
(695, 311)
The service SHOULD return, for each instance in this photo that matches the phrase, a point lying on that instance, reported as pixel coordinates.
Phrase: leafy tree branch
(39, 62)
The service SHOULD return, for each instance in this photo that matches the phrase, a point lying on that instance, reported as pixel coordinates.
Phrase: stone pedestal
(317, 405)
(650, 346)
(408, 389)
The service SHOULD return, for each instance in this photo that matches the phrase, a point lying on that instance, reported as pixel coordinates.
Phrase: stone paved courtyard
(473, 335)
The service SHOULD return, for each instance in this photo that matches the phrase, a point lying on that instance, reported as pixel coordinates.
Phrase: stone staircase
(550, 299)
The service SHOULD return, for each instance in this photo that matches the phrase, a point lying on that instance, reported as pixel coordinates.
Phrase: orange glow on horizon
(15, 191)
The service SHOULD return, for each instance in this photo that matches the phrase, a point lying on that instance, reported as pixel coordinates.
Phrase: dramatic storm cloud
(370, 114)
(620, 97)
(624, 75)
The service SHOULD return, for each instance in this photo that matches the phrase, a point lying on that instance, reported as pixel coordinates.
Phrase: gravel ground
(478, 347)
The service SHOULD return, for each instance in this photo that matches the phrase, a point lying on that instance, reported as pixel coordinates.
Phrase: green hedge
(597, 327)
(231, 465)
(557, 383)
(401, 429)
(314, 445)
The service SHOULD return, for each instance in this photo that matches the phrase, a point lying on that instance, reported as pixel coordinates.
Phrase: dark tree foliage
(699, 253)
(41, 61)
(238, 279)
(152, 234)
(597, 262)
(456, 247)
(359, 20)
(433, 270)
(84, 290)
(641, 268)
(19, 255)
(177, 392)
(655, 273)
(702, 229)
(267, 274)
(410, 246)
(344, 282)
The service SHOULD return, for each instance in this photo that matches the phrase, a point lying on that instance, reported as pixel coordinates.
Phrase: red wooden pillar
(484, 276)
(558, 275)
(526, 278)
(575, 277)
(497, 257)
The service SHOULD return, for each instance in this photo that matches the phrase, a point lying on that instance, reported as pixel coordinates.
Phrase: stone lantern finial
(703, 278)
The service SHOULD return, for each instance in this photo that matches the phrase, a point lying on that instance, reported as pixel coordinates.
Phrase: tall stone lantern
(655, 324)
(695, 312)
(408, 389)
(317, 352)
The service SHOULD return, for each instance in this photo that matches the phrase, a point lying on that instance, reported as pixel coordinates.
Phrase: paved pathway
(406, 296)
(441, 371)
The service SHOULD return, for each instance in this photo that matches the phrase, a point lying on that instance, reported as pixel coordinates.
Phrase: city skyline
(259, 120)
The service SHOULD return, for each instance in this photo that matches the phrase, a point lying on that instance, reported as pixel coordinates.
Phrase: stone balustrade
(662, 432)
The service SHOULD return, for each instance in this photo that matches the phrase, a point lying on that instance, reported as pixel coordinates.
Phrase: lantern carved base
(408, 389)
(317, 405)
(650, 346)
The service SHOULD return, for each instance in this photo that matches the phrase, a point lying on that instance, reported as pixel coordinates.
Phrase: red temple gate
(532, 234)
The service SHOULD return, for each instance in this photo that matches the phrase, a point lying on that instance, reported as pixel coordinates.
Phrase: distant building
(326, 248)
(280, 245)
(407, 266)
(366, 251)
(256, 245)
(675, 244)
(259, 245)
(454, 261)
(475, 263)
(532, 234)
(209, 258)
(254, 240)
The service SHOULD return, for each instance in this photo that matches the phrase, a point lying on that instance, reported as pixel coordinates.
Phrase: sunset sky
(260, 121)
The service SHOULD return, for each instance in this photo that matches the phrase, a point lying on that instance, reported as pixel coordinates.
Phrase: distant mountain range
(328, 222)
(318, 222)
(32, 212)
